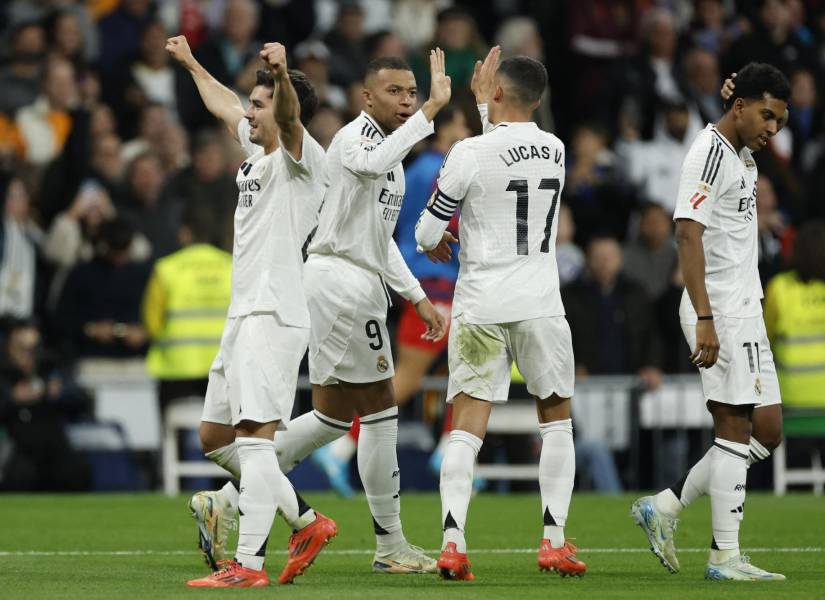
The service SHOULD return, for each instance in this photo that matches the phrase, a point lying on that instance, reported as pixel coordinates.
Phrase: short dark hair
(116, 234)
(307, 98)
(757, 79)
(201, 224)
(809, 251)
(528, 76)
(394, 63)
(445, 116)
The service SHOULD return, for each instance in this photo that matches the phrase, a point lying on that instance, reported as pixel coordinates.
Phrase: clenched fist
(179, 48)
(274, 55)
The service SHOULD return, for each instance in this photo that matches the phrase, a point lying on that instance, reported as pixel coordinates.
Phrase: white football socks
(557, 471)
(457, 485)
(226, 457)
(380, 476)
(260, 492)
(728, 476)
(306, 434)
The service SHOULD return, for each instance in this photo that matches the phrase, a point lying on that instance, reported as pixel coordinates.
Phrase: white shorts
(744, 372)
(480, 358)
(349, 340)
(255, 373)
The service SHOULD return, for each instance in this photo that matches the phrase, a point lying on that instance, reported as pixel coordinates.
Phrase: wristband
(705, 318)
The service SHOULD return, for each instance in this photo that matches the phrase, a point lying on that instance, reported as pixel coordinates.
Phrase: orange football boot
(560, 560)
(233, 574)
(452, 564)
(305, 545)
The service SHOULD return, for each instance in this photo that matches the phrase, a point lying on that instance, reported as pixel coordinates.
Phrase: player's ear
(365, 94)
(498, 94)
(738, 106)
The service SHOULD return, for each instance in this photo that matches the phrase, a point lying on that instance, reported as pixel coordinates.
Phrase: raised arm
(483, 84)
(222, 102)
(287, 108)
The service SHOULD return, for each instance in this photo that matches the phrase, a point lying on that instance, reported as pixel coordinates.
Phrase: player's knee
(770, 440)
(214, 436)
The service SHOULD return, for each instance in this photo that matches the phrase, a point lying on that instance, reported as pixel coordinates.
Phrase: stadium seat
(183, 415)
(800, 424)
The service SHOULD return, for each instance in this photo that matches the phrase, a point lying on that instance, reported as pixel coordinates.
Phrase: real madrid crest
(382, 364)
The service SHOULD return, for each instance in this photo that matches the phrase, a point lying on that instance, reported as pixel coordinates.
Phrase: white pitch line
(345, 552)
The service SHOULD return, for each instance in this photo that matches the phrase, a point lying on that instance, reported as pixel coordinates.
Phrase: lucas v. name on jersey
(519, 153)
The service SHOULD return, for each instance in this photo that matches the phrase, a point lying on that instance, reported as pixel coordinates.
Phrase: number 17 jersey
(508, 185)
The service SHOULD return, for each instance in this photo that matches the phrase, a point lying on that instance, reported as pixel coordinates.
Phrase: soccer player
(350, 258)
(253, 378)
(721, 315)
(507, 305)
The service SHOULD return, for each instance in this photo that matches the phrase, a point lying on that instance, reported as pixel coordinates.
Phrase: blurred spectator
(74, 233)
(312, 57)
(148, 205)
(99, 307)
(45, 124)
(120, 32)
(702, 83)
(654, 166)
(153, 123)
(36, 403)
(384, 43)
(107, 166)
(611, 318)
(208, 187)
(66, 37)
(230, 55)
(653, 75)
(601, 33)
(598, 194)
(650, 259)
(795, 321)
(456, 33)
(675, 356)
(20, 75)
(414, 21)
(569, 256)
(19, 241)
(805, 116)
(519, 36)
(772, 41)
(345, 41)
(713, 29)
(773, 229)
(325, 124)
(153, 71)
(184, 309)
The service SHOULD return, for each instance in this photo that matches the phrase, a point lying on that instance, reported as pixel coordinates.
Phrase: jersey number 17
(519, 186)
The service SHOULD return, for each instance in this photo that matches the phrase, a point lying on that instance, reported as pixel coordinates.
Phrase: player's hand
(484, 75)
(707, 345)
(436, 323)
(274, 55)
(440, 90)
(443, 252)
(179, 48)
(728, 87)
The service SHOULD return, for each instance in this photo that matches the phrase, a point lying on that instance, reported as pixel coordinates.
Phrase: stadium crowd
(109, 160)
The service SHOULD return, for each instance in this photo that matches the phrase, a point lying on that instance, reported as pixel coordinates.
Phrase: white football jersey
(364, 199)
(278, 203)
(718, 189)
(508, 184)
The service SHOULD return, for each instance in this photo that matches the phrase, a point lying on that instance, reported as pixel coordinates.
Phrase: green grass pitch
(143, 546)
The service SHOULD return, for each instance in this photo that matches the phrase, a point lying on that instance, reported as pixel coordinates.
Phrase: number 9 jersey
(508, 184)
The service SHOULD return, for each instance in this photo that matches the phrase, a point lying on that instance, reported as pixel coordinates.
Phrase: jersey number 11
(519, 186)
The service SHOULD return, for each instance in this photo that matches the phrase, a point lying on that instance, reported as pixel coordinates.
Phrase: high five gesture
(439, 85)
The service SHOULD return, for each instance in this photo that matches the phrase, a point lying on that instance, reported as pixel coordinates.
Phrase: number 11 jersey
(508, 184)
